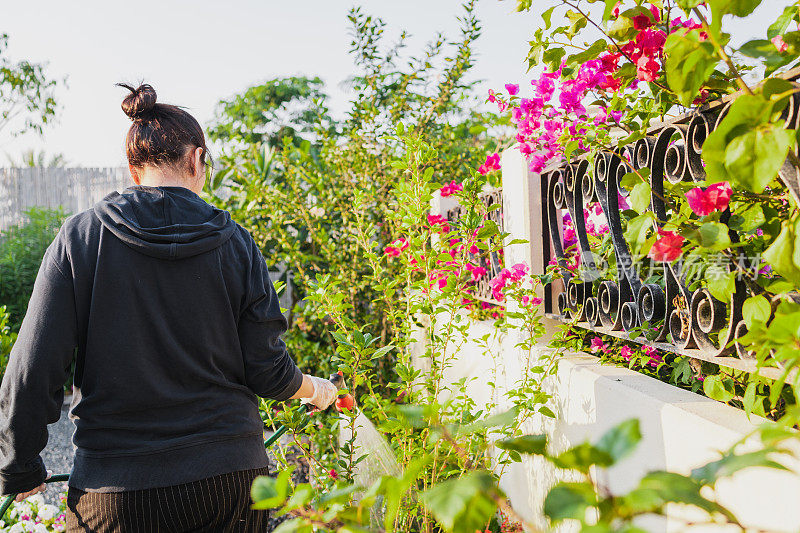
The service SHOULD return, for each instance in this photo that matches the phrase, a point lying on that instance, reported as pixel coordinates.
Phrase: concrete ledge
(681, 431)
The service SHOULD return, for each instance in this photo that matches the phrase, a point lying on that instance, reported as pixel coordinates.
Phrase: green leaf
(268, 492)
(689, 64)
(712, 235)
(609, 8)
(738, 8)
(640, 197)
(730, 463)
(546, 16)
(754, 158)
(756, 308)
(782, 23)
(688, 4)
(463, 505)
(620, 440)
(530, 444)
(780, 254)
(718, 387)
(569, 501)
(746, 217)
(720, 283)
(582, 457)
(658, 489)
(636, 232)
(295, 525)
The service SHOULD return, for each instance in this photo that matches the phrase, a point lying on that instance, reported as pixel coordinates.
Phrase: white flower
(59, 526)
(37, 499)
(21, 527)
(40, 528)
(317, 211)
(47, 512)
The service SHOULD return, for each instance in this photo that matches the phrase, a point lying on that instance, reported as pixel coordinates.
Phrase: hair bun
(141, 101)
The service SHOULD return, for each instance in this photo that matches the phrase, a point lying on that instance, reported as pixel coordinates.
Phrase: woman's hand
(41, 488)
(324, 392)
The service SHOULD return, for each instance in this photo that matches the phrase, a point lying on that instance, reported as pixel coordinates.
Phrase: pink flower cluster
(449, 189)
(715, 197)
(396, 248)
(509, 276)
(541, 123)
(492, 163)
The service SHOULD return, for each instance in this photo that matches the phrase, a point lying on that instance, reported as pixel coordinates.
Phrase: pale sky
(196, 52)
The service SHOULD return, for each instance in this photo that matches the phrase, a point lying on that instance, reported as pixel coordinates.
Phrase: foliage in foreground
(450, 453)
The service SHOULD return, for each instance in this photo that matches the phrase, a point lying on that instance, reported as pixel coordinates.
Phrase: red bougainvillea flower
(451, 188)
(715, 197)
(396, 247)
(512, 88)
(667, 247)
(492, 163)
(779, 43)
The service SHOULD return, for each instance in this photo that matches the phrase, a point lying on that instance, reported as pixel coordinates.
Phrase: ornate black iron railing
(493, 264)
(620, 300)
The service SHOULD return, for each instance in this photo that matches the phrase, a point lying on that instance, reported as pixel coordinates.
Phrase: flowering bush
(384, 288)
(33, 515)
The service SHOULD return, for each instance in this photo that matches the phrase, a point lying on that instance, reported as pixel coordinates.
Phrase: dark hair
(161, 134)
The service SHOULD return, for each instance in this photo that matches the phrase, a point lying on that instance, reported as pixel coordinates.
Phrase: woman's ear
(134, 175)
(198, 168)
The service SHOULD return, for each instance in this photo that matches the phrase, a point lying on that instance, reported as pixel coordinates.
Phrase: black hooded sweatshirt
(167, 310)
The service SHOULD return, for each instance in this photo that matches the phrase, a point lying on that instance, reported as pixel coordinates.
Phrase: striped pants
(219, 503)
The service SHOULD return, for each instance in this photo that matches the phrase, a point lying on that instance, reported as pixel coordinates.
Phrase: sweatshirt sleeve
(32, 389)
(269, 370)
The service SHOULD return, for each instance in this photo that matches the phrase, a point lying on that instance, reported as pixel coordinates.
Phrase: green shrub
(21, 250)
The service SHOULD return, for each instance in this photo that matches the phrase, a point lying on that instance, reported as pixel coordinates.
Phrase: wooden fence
(73, 189)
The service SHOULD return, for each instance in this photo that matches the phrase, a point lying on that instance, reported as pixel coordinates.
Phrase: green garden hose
(10, 499)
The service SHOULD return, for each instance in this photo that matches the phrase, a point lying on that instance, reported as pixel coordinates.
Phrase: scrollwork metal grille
(620, 302)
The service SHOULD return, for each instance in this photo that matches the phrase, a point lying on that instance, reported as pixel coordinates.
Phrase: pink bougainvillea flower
(667, 247)
(715, 197)
(497, 284)
(598, 345)
(519, 271)
(512, 88)
(626, 352)
(779, 43)
(451, 188)
(396, 247)
(492, 97)
(477, 271)
(333, 473)
(492, 163)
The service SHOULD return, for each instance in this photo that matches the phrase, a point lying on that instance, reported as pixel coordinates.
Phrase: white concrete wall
(681, 430)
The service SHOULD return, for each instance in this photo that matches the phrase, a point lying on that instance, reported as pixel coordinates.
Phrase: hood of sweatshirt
(164, 222)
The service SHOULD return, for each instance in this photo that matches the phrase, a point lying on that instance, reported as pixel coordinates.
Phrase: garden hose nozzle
(346, 401)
